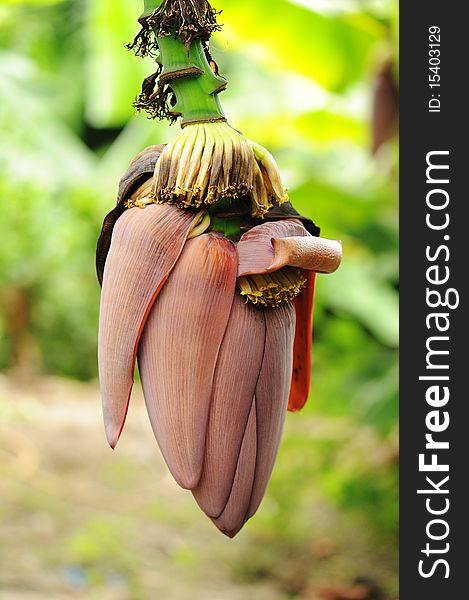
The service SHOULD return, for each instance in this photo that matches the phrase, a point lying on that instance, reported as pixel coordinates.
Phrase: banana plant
(208, 277)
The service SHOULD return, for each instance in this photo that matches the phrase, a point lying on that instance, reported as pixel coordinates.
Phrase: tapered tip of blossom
(209, 161)
(144, 248)
(230, 534)
(112, 436)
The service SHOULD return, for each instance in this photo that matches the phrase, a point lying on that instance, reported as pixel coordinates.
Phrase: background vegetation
(302, 77)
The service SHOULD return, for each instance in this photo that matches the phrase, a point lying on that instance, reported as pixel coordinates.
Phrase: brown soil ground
(79, 521)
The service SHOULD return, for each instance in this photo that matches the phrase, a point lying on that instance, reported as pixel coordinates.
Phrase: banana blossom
(222, 334)
(208, 278)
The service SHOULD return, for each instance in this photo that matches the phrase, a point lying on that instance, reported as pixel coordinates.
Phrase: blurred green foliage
(301, 79)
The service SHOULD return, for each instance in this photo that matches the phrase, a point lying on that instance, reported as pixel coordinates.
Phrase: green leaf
(49, 154)
(332, 50)
(356, 289)
(31, 2)
(114, 74)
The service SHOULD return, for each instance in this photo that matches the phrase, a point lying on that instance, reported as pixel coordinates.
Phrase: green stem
(181, 32)
(192, 79)
(149, 6)
(230, 227)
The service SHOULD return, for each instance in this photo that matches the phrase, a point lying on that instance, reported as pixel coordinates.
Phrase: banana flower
(208, 278)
